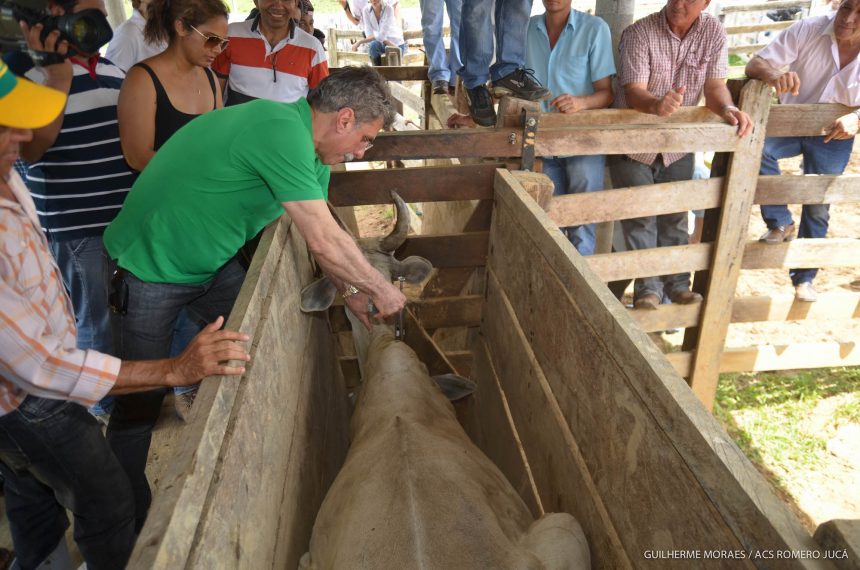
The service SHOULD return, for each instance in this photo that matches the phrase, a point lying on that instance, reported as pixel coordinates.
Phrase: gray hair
(361, 89)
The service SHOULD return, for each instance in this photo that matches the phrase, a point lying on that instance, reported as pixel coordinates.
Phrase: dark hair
(306, 6)
(362, 89)
(161, 14)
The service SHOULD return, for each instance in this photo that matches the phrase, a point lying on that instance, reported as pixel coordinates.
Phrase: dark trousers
(54, 457)
(145, 332)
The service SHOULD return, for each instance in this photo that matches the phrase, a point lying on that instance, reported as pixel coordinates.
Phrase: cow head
(319, 295)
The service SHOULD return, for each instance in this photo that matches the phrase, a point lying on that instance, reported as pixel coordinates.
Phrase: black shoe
(440, 87)
(522, 85)
(481, 106)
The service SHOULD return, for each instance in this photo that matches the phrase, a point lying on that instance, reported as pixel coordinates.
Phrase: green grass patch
(771, 416)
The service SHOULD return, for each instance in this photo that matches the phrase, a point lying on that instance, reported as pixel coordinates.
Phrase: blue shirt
(581, 56)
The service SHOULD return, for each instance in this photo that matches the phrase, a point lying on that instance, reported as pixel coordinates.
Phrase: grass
(771, 418)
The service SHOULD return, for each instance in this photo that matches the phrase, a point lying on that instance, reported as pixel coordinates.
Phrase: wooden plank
(562, 478)
(452, 250)
(766, 6)
(461, 360)
(402, 73)
(420, 184)
(407, 97)
(608, 139)
(778, 357)
(648, 262)
(491, 427)
(425, 347)
(443, 107)
(537, 185)
(746, 48)
(636, 202)
(626, 406)
(740, 182)
(755, 28)
(829, 307)
(808, 189)
(353, 58)
(439, 312)
(821, 252)
(447, 282)
(803, 120)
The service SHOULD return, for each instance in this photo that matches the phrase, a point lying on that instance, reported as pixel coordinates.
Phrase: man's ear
(345, 120)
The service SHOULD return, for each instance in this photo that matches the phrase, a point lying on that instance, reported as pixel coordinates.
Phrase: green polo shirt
(213, 186)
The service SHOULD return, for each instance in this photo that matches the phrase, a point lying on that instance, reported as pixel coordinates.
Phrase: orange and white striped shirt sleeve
(38, 354)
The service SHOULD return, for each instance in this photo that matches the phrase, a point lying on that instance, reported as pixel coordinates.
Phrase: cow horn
(401, 227)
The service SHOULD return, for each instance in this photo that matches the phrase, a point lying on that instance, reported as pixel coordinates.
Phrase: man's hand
(842, 128)
(670, 102)
(735, 117)
(389, 302)
(59, 74)
(355, 46)
(787, 82)
(566, 103)
(204, 355)
(357, 304)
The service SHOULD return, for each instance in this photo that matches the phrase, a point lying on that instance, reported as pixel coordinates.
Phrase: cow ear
(318, 296)
(454, 386)
(415, 269)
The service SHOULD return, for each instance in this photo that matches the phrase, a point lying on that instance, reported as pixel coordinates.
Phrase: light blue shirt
(581, 56)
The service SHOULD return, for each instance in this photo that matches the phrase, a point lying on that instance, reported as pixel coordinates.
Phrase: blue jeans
(377, 49)
(818, 158)
(54, 457)
(476, 39)
(432, 20)
(574, 175)
(80, 264)
(654, 231)
(146, 332)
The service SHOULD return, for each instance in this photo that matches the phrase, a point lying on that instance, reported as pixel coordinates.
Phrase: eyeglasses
(211, 40)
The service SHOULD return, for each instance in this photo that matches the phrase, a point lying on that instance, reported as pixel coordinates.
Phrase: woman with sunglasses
(163, 93)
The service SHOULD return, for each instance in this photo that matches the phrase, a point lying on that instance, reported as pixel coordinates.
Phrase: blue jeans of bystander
(377, 49)
(476, 39)
(818, 158)
(54, 457)
(442, 67)
(574, 175)
(146, 332)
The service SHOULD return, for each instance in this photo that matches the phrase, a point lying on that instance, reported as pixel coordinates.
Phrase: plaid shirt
(652, 54)
(38, 355)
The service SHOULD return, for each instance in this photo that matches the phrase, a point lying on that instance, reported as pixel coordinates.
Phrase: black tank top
(168, 119)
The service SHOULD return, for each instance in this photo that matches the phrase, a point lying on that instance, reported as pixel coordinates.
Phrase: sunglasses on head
(211, 40)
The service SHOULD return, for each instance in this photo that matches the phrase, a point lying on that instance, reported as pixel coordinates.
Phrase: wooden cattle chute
(336, 39)
(575, 404)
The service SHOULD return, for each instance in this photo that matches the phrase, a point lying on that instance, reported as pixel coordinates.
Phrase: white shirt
(128, 46)
(809, 49)
(386, 28)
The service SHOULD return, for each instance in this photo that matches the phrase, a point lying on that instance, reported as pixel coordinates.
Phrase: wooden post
(392, 56)
(737, 202)
(331, 40)
(618, 14)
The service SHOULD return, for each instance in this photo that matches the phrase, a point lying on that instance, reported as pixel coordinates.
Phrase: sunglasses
(211, 40)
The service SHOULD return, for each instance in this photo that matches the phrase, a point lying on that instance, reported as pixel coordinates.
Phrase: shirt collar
(571, 22)
(255, 28)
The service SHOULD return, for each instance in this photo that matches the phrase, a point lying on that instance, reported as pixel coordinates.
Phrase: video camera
(86, 31)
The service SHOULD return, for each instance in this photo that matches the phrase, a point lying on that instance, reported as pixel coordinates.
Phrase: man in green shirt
(214, 185)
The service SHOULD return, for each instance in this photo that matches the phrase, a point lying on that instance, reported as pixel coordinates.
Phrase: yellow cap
(27, 105)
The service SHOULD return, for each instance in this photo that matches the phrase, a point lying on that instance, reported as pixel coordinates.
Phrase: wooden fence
(728, 198)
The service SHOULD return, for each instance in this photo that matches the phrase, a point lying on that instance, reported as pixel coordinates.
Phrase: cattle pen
(574, 403)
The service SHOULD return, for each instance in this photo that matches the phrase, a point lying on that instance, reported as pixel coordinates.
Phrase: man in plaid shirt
(53, 455)
(669, 59)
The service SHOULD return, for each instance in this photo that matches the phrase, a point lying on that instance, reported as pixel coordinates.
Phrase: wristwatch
(349, 291)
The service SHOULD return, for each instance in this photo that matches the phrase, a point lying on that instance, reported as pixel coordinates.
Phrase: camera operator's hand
(59, 75)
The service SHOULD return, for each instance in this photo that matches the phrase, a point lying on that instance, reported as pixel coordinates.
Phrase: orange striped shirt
(38, 354)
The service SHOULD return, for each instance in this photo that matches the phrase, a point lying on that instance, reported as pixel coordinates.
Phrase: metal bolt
(512, 138)
(531, 122)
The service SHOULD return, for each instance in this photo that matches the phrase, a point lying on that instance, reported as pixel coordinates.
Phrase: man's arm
(206, 355)
(339, 256)
(58, 76)
(719, 101)
(783, 82)
(600, 99)
(349, 15)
